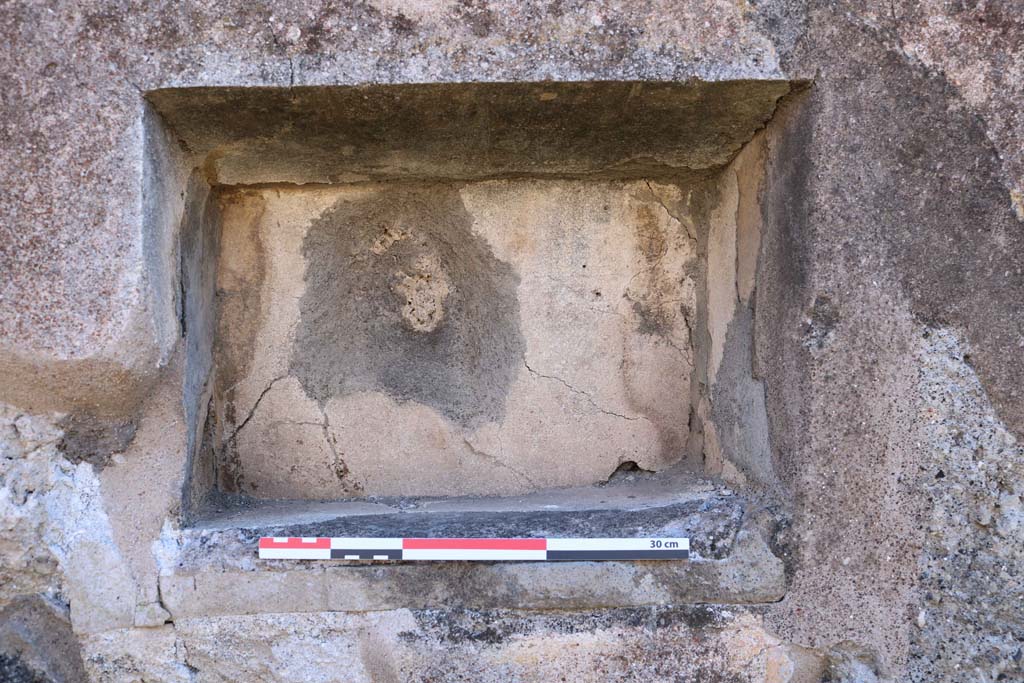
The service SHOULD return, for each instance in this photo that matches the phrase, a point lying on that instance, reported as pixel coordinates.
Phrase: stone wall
(853, 402)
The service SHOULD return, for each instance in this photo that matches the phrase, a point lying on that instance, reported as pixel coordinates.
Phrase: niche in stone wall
(460, 289)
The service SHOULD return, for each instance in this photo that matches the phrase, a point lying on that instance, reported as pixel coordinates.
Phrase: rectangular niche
(450, 290)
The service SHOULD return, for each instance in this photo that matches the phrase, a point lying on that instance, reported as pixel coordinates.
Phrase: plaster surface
(489, 338)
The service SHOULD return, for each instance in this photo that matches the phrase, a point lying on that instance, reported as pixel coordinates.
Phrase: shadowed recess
(464, 131)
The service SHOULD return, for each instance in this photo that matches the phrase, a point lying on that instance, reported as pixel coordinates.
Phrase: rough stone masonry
(313, 268)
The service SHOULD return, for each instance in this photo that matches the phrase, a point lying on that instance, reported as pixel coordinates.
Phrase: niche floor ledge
(215, 570)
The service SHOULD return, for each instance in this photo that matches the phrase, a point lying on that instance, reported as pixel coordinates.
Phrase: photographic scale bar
(492, 549)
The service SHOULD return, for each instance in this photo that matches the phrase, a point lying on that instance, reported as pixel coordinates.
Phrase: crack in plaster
(584, 394)
(671, 215)
(338, 465)
(498, 461)
(252, 411)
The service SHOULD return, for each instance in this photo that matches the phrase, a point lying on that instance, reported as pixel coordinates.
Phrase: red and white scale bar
(349, 548)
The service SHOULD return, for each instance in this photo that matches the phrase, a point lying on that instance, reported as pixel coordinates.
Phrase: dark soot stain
(352, 334)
